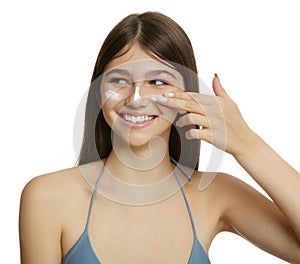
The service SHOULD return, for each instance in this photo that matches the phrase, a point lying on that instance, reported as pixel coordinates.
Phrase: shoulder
(222, 191)
(46, 200)
(229, 194)
(52, 191)
(220, 182)
(47, 184)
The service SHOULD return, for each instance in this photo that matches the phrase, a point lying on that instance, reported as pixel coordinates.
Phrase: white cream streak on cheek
(113, 95)
(137, 94)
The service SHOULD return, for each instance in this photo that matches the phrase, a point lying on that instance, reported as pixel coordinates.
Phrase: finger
(200, 98)
(193, 119)
(199, 134)
(179, 104)
(218, 88)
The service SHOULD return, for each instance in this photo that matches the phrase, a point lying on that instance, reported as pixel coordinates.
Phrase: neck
(143, 164)
(129, 174)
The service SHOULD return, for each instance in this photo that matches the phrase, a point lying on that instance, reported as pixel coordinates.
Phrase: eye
(120, 81)
(158, 82)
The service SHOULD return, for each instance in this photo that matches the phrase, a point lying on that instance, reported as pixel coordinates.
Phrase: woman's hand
(219, 118)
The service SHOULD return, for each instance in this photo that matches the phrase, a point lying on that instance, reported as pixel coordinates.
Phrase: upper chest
(157, 232)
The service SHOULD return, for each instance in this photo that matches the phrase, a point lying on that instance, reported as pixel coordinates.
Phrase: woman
(145, 119)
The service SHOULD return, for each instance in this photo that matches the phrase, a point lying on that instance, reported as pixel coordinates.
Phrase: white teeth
(137, 119)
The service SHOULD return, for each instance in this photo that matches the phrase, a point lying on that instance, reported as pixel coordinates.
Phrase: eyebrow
(118, 71)
(150, 73)
(159, 72)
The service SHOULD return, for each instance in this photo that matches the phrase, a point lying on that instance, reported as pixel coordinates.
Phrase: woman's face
(129, 86)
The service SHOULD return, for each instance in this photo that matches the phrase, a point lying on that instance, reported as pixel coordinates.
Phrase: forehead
(133, 54)
(138, 62)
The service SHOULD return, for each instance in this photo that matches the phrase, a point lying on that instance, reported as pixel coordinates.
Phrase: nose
(136, 95)
(135, 98)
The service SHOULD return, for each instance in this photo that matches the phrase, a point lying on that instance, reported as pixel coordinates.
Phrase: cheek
(112, 95)
(109, 112)
(108, 95)
(109, 105)
(168, 114)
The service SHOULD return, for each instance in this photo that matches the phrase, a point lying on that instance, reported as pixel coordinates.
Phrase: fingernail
(169, 94)
(159, 99)
(216, 75)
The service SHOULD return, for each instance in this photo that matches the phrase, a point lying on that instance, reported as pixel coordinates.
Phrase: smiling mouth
(137, 119)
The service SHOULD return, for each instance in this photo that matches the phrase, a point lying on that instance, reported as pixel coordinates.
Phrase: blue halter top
(83, 253)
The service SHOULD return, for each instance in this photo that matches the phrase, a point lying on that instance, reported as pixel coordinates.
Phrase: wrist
(249, 142)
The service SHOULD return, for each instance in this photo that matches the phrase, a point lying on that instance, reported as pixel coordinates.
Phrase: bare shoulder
(231, 188)
(54, 190)
(50, 184)
(45, 203)
(221, 191)
(227, 193)
(218, 183)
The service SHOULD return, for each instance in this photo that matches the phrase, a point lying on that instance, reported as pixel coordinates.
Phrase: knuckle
(194, 133)
(190, 118)
(189, 105)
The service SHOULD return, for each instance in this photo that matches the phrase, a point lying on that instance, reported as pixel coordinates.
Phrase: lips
(137, 121)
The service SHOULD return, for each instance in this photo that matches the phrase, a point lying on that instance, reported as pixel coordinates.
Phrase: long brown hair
(163, 37)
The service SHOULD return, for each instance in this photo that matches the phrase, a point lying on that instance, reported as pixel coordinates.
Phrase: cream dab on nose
(112, 95)
(137, 94)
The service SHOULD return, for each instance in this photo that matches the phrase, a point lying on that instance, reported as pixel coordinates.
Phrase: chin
(138, 139)
(139, 142)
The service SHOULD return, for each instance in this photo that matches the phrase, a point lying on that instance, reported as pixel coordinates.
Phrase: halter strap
(187, 205)
(93, 198)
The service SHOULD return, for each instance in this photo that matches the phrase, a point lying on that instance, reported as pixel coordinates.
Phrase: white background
(48, 50)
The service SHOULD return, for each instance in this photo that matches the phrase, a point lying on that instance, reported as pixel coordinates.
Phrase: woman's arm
(265, 166)
(222, 125)
(274, 175)
(39, 223)
(249, 214)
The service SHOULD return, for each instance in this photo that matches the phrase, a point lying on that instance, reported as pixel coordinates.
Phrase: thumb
(218, 88)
